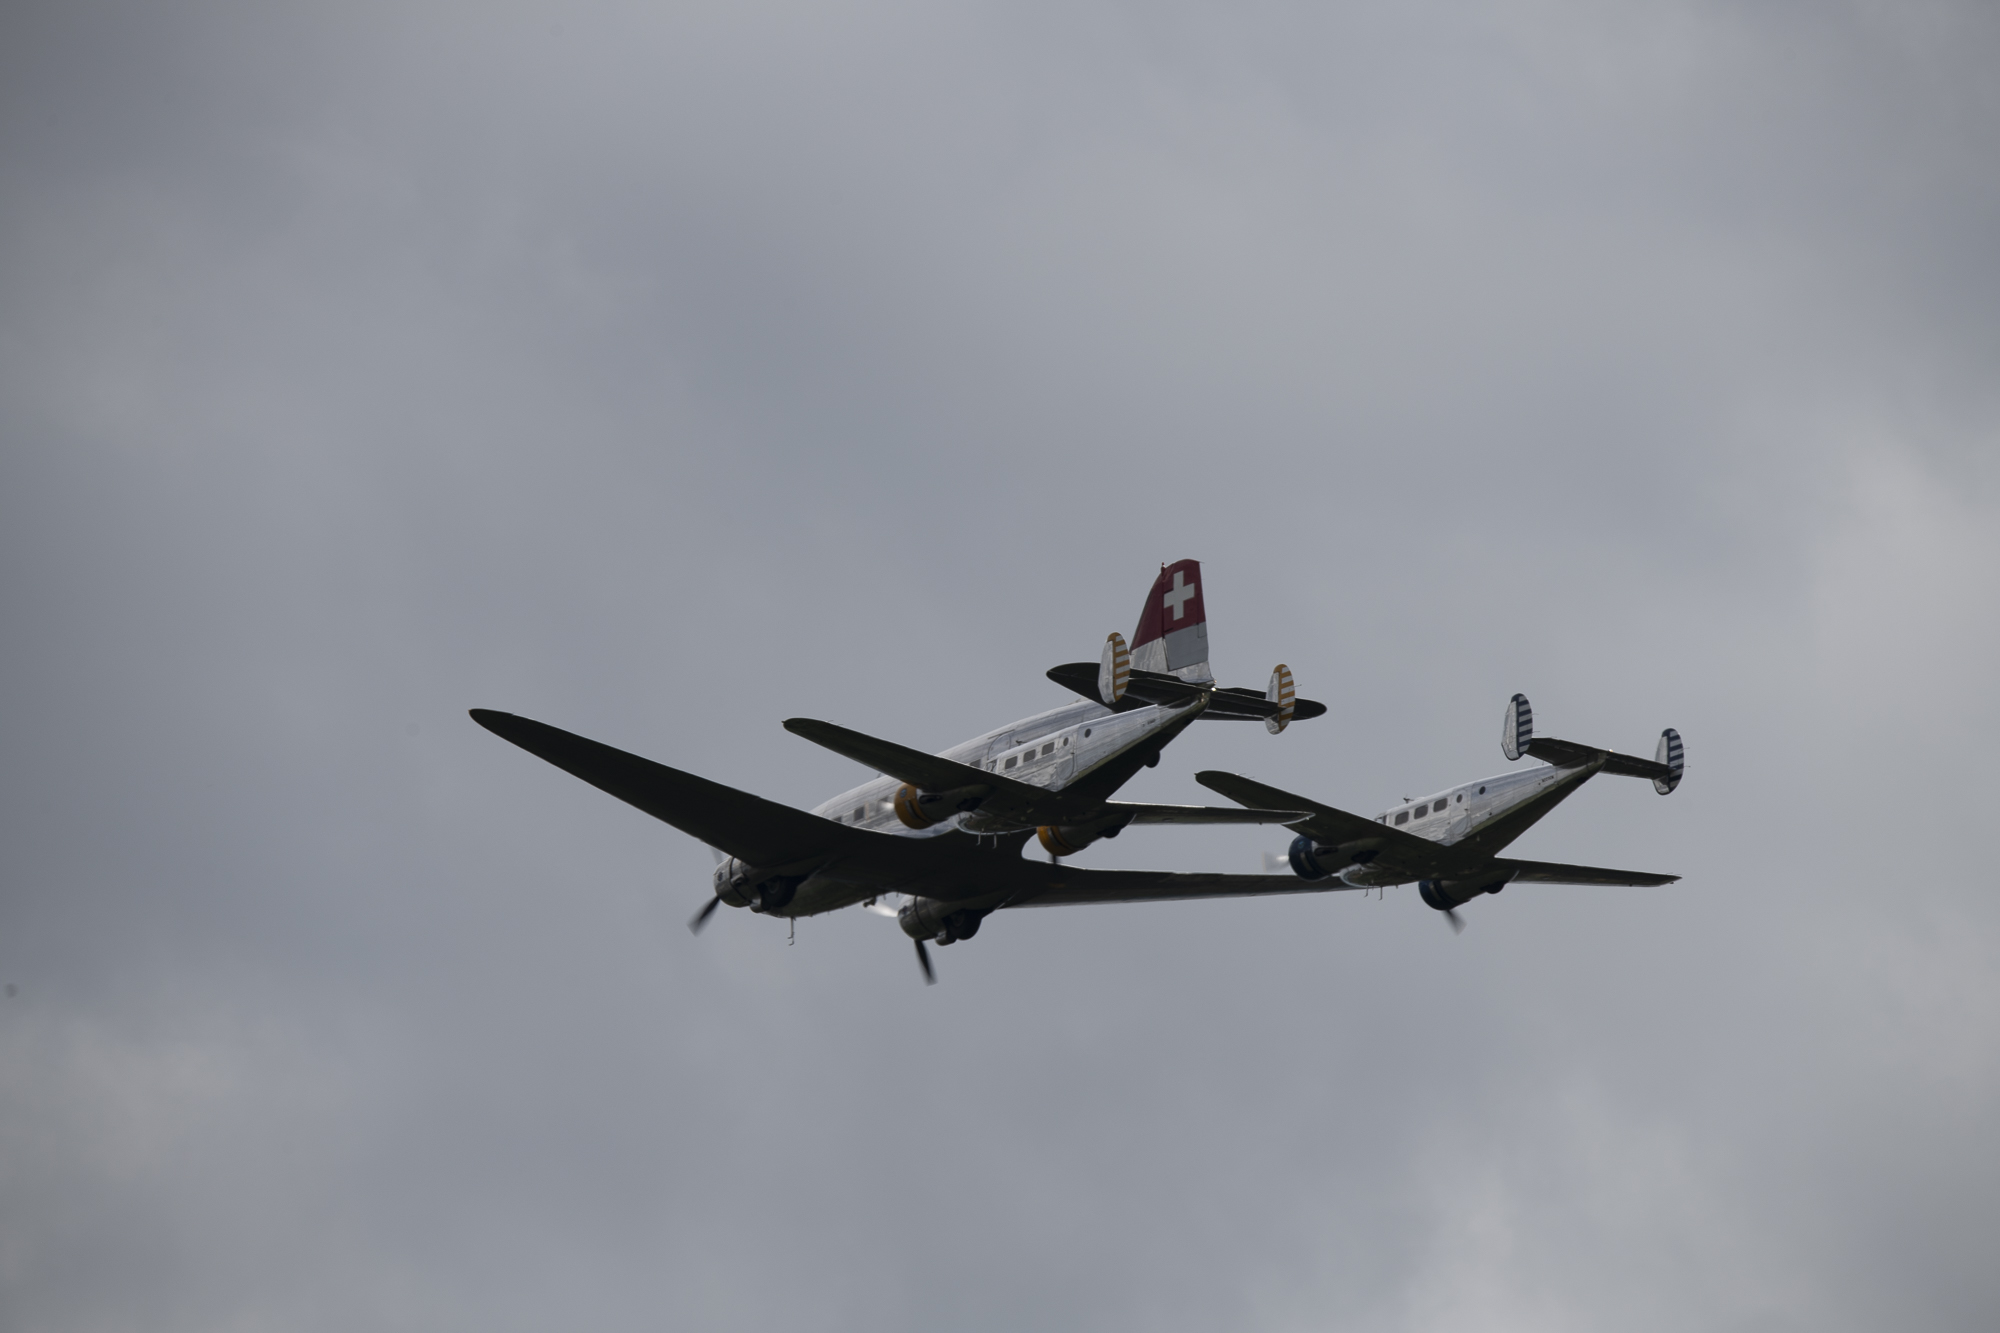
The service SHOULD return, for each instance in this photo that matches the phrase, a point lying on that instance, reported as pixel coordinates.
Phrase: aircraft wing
(1200, 814)
(1063, 886)
(1324, 822)
(747, 827)
(928, 771)
(1548, 872)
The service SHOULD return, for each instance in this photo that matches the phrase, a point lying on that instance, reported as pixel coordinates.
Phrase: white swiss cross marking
(1177, 599)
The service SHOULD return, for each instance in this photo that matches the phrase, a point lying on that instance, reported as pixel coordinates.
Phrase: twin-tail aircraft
(937, 840)
(1449, 842)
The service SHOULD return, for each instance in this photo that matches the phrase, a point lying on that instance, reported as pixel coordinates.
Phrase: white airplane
(1449, 841)
(937, 840)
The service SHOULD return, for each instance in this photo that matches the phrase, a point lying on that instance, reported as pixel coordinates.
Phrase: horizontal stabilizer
(1549, 872)
(1568, 754)
(1234, 704)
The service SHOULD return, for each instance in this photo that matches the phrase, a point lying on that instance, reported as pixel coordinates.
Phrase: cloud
(663, 373)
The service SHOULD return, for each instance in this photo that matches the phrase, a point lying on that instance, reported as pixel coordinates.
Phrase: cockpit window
(859, 811)
(1402, 816)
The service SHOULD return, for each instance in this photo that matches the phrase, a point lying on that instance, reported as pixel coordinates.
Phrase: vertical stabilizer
(1282, 693)
(1173, 626)
(1114, 670)
(1517, 728)
(1674, 757)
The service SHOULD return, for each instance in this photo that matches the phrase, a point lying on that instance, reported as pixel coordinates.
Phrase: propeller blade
(1457, 921)
(707, 911)
(924, 961)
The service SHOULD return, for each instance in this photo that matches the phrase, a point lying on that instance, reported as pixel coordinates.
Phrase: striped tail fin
(1114, 671)
(1674, 757)
(1283, 693)
(1517, 727)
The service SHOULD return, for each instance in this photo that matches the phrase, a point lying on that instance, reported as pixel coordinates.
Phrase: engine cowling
(1445, 894)
(938, 922)
(1319, 860)
(760, 890)
(1069, 839)
(924, 809)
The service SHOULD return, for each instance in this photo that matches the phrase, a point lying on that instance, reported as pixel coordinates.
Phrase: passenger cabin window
(1420, 812)
(1402, 816)
(859, 811)
(1048, 749)
(1011, 761)
(1439, 806)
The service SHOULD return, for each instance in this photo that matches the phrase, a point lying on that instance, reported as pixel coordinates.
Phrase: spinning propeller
(708, 909)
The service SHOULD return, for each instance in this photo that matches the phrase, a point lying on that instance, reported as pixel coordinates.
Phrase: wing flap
(1064, 886)
(747, 827)
(1200, 814)
(1551, 872)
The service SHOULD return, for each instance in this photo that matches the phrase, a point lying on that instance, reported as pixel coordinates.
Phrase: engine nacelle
(1319, 860)
(742, 885)
(923, 809)
(938, 922)
(1445, 894)
(1069, 839)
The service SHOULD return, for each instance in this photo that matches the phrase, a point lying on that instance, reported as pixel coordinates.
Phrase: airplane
(1449, 841)
(937, 840)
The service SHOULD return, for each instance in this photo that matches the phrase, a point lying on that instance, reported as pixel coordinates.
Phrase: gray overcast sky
(665, 371)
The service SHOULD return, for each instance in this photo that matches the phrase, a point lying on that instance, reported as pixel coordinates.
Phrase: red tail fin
(1173, 627)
